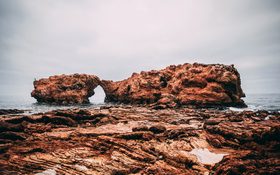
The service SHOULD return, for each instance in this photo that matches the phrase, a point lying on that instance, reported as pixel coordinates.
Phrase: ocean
(269, 102)
(255, 102)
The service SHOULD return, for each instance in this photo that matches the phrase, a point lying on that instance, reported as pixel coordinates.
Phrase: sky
(113, 39)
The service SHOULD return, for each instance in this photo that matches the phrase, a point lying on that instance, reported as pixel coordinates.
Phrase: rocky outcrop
(255, 134)
(139, 140)
(65, 89)
(187, 84)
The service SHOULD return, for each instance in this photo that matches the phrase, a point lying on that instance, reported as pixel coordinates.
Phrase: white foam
(238, 109)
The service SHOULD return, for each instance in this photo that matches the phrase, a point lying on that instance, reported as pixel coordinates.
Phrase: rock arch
(99, 96)
(176, 85)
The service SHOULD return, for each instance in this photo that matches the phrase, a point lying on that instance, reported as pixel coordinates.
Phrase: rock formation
(65, 89)
(187, 84)
(139, 140)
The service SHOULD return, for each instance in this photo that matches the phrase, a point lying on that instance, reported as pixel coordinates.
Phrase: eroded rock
(187, 84)
(65, 89)
(139, 140)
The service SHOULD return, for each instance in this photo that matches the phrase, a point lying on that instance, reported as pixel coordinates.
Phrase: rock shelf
(124, 139)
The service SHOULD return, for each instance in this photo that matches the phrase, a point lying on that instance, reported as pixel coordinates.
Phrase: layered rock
(254, 134)
(65, 89)
(187, 84)
(139, 140)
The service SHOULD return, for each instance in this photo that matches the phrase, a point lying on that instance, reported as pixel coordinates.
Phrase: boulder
(65, 89)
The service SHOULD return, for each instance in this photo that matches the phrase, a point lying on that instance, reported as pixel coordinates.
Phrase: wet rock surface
(187, 84)
(65, 89)
(10, 111)
(140, 140)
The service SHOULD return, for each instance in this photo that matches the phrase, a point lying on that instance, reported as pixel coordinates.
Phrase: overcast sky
(113, 39)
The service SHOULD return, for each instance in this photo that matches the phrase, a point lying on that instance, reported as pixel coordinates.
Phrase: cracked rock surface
(140, 140)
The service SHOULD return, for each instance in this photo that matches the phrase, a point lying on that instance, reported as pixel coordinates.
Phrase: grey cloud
(112, 39)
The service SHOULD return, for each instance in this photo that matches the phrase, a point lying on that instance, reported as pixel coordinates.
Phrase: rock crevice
(125, 139)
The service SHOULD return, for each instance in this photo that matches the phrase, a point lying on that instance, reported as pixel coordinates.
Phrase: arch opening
(99, 96)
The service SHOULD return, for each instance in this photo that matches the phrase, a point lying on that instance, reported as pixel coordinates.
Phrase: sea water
(255, 102)
(270, 102)
(31, 106)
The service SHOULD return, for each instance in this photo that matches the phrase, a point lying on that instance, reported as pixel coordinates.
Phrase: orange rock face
(124, 139)
(65, 89)
(187, 84)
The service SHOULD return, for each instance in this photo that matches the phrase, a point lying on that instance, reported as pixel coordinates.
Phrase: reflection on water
(206, 157)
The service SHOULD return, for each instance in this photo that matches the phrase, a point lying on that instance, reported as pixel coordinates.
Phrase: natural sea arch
(99, 96)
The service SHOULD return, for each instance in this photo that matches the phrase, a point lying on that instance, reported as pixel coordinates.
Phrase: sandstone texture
(65, 89)
(187, 84)
(117, 140)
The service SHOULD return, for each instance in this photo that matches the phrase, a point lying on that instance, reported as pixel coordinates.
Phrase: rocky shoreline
(125, 139)
(162, 127)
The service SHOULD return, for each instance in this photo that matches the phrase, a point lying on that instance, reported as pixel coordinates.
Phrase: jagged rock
(187, 84)
(65, 89)
(139, 140)
(248, 163)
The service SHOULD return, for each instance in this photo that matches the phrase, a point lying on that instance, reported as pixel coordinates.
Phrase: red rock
(251, 163)
(140, 128)
(39, 142)
(65, 89)
(187, 84)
